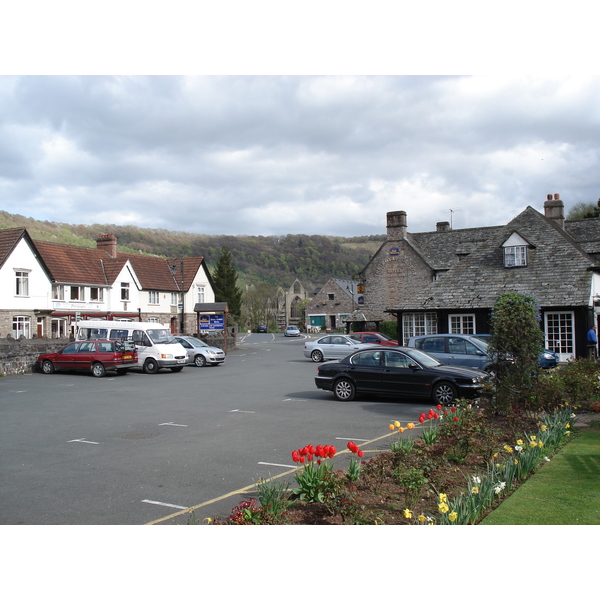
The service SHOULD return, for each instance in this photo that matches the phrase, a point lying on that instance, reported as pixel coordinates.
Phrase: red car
(373, 337)
(96, 356)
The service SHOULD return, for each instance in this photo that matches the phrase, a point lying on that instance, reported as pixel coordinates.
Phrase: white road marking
(249, 412)
(172, 424)
(352, 439)
(83, 441)
(165, 504)
(277, 465)
(294, 400)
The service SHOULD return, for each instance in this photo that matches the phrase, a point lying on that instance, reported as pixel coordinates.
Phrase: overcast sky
(272, 155)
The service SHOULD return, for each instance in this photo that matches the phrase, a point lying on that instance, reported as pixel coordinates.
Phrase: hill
(274, 260)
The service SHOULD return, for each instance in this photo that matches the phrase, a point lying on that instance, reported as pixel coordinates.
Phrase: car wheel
(199, 360)
(47, 367)
(176, 369)
(316, 356)
(344, 390)
(98, 370)
(444, 393)
(150, 367)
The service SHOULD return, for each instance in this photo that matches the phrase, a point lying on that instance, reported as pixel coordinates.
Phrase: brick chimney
(555, 209)
(108, 243)
(396, 226)
(442, 226)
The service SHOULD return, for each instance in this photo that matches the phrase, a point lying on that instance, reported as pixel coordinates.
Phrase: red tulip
(421, 418)
(439, 407)
(455, 418)
(360, 453)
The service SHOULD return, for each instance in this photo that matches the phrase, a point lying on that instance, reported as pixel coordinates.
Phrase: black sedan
(399, 372)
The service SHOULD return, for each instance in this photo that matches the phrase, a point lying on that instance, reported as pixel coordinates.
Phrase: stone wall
(19, 356)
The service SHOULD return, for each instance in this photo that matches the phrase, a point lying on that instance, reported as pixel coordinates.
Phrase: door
(339, 347)
(82, 359)
(402, 376)
(65, 358)
(463, 353)
(560, 333)
(366, 370)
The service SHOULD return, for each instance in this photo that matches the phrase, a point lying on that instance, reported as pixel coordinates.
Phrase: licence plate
(182, 360)
(127, 357)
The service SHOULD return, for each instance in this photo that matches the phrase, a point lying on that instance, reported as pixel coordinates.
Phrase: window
(418, 324)
(153, 297)
(515, 251)
(58, 292)
(124, 291)
(464, 324)
(201, 291)
(515, 256)
(77, 293)
(174, 296)
(96, 294)
(21, 326)
(331, 296)
(22, 283)
(59, 328)
(560, 333)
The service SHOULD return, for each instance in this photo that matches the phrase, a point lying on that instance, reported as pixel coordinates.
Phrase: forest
(272, 260)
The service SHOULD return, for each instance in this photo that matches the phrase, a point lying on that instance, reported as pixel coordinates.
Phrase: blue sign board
(211, 322)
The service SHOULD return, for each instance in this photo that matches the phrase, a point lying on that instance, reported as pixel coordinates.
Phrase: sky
(307, 145)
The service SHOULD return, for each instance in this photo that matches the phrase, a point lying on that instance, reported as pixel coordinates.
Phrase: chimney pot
(549, 197)
(557, 196)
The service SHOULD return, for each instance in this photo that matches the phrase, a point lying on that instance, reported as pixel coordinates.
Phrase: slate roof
(558, 270)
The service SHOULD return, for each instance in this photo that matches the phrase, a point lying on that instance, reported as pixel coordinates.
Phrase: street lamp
(173, 269)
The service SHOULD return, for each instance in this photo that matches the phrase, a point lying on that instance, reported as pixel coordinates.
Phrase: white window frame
(125, 291)
(418, 323)
(21, 325)
(79, 296)
(22, 283)
(59, 327)
(201, 294)
(462, 324)
(559, 328)
(515, 256)
(153, 297)
(174, 298)
(58, 292)
(98, 292)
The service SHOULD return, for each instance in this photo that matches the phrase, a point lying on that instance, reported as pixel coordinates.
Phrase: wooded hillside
(276, 260)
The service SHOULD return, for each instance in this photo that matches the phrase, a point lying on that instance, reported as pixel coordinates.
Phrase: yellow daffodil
(396, 424)
(443, 498)
(407, 513)
(568, 426)
(516, 462)
(422, 519)
(443, 507)
(543, 428)
(508, 449)
(452, 516)
(475, 490)
(519, 442)
(533, 438)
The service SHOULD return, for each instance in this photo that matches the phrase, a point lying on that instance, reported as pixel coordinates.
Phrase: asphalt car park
(134, 450)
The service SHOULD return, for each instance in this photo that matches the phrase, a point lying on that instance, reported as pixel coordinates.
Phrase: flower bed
(460, 466)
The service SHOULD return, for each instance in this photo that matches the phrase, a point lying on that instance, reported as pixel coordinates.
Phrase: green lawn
(564, 491)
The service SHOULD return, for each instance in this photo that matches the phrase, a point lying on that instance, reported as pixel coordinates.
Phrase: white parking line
(83, 441)
(249, 412)
(352, 439)
(165, 504)
(277, 465)
(172, 424)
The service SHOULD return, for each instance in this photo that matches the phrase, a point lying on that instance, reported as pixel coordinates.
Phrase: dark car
(95, 356)
(399, 372)
(548, 359)
(261, 329)
(373, 337)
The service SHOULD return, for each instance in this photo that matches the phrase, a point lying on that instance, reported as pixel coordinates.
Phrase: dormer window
(515, 251)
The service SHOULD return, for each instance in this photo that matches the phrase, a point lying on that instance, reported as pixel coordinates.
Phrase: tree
(225, 282)
(516, 343)
(582, 210)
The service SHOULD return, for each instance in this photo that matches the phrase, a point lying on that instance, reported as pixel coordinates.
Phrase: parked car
(548, 359)
(95, 356)
(199, 353)
(373, 337)
(291, 331)
(331, 347)
(399, 372)
(261, 328)
(467, 350)
(454, 349)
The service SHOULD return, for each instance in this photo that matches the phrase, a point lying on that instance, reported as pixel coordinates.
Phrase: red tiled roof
(8, 240)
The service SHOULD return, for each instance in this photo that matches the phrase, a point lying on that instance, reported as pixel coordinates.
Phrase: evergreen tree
(225, 282)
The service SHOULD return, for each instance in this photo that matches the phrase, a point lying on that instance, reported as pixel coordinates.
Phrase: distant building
(288, 311)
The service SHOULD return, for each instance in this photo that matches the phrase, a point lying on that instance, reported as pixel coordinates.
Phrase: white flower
(518, 448)
(546, 459)
(476, 479)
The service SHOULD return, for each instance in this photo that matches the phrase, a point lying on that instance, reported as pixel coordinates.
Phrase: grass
(564, 491)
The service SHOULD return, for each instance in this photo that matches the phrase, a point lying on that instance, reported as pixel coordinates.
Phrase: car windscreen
(161, 336)
(421, 357)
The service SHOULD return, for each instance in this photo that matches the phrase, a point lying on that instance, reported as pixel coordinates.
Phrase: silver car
(332, 347)
(291, 331)
(199, 353)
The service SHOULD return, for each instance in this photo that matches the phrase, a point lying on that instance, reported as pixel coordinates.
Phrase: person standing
(592, 340)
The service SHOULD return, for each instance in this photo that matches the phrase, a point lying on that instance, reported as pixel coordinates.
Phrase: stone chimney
(108, 243)
(555, 209)
(396, 226)
(442, 226)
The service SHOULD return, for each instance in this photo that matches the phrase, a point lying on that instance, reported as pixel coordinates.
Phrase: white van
(156, 346)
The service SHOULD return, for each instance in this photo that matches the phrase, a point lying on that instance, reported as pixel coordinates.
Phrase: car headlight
(166, 356)
(548, 355)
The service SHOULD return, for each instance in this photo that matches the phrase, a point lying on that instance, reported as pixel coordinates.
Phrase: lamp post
(173, 269)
